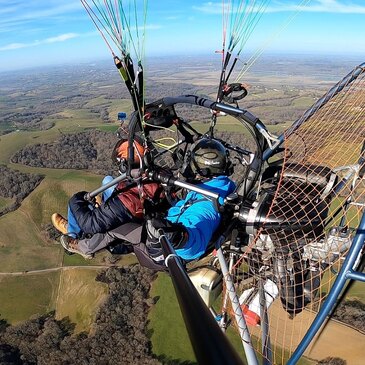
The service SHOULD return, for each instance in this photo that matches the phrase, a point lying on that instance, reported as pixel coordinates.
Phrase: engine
(286, 231)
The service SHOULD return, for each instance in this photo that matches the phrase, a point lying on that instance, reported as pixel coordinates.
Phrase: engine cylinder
(287, 216)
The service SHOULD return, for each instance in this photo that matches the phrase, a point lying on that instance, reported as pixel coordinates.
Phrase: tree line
(89, 150)
(351, 312)
(17, 185)
(120, 332)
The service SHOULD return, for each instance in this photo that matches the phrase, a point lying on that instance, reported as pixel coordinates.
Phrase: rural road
(30, 272)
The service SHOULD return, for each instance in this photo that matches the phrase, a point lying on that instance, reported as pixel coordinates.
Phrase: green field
(79, 296)
(168, 333)
(23, 246)
(4, 202)
(23, 296)
(166, 322)
(230, 124)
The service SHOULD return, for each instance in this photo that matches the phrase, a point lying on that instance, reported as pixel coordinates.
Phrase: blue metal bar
(354, 275)
(343, 276)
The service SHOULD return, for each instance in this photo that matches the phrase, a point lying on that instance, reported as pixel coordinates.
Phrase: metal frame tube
(353, 275)
(265, 334)
(239, 316)
(223, 321)
(135, 173)
(195, 188)
(102, 188)
(169, 180)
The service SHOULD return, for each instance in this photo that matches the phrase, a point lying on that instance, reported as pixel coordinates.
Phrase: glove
(153, 235)
(176, 233)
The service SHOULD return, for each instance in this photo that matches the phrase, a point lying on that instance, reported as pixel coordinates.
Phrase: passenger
(120, 204)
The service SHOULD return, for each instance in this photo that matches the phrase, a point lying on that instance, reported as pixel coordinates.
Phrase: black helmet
(208, 157)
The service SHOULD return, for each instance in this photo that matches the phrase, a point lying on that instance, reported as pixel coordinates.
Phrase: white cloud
(17, 15)
(59, 38)
(318, 6)
(29, 10)
(152, 26)
(209, 8)
(173, 17)
(322, 6)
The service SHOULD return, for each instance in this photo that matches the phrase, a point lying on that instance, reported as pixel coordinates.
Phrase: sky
(47, 32)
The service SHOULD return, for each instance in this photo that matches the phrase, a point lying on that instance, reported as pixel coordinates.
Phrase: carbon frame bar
(210, 345)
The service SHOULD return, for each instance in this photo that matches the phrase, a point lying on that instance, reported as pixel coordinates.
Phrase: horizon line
(213, 55)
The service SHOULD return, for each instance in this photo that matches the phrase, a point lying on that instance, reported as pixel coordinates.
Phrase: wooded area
(17, 185)
(119, 335)
(89, 150)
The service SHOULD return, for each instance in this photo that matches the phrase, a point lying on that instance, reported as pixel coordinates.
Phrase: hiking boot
(98, 200)
(156, 254)
(60, 223)
(70, 245)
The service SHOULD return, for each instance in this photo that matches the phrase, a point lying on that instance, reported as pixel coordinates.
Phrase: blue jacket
(198, 215)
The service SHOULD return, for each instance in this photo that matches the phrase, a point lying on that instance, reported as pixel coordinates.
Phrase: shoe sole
(73, 251)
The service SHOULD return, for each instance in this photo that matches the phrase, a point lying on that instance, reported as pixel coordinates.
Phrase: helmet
(209, 157)
(120, 151)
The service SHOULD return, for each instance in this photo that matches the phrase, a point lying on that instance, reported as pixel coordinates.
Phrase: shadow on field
(169, 361)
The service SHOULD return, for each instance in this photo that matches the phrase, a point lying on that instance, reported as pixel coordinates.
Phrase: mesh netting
(309, 208)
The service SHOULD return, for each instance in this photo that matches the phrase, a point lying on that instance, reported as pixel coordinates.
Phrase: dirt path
(339, 340)
(30, 272)
(336, 339)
